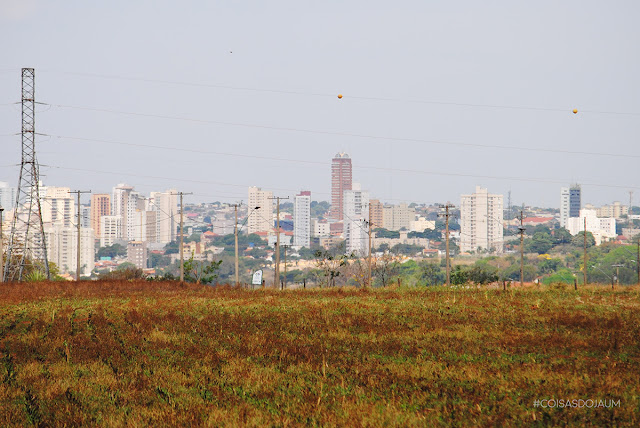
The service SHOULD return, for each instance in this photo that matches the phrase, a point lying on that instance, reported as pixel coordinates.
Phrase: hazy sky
(439, 96)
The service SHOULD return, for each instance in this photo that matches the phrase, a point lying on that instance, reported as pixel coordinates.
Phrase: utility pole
(370, 227)
(182, 236)
(276, 278)
(235, 232)
(585, 251)
(78, 231)
(1, 249)
(637, 260)
(617, 281)
(446, 215)
(521, 228)
(285, 266)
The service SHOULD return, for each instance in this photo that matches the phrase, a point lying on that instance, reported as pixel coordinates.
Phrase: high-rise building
(58, 206)
(396, 217)
(302, 219)
(564, 206)
(110, 230)
(570, 203)
(137, 254)
(341, 180)
(122, 198)
(376, 213)
(7, 196)
(260, 219)
(62, 247)
(167, 216)
(481, 221)
(356, 219)
(100, 206)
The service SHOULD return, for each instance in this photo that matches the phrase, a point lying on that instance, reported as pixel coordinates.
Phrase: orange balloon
(340, 96)
(575, 111)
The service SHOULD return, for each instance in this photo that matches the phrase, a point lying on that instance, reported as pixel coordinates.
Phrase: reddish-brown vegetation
(140, 353)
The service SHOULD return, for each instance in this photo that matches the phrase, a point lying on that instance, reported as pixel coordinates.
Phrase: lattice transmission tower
(27, 245)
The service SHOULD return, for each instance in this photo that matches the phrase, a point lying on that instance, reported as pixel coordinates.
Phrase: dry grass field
(165, 354)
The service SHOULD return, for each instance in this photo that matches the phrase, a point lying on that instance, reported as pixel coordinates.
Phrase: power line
(405, 170)
(332, 95)
(341, 134)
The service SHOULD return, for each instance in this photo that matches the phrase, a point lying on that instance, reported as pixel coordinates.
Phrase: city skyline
(435, 101)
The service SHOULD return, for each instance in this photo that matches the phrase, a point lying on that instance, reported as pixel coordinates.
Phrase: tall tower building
(261, 219)
(167, 216)
(570, 203)
(302, 219)
(100, 206)
(341, 180)
(575, 200)
(120, 207)
(58, 207)
(481, 221)
(356, 217)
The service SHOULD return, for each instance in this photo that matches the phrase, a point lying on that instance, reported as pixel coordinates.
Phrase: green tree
(540, 243)
(578, 240)
(111, 251)
(432, 274)
(384, 233)
(201, 272)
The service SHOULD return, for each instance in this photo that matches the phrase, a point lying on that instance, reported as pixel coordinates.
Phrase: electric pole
(285, 266)
(78, 231)
(521, 228)
(637, 260)
(276, 279)
(446, 215)
(585, 251)
(369, 231)
(182, 236)
(1, 249)
(235, 232)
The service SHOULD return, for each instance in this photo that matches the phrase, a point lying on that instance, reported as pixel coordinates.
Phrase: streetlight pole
(236, 231)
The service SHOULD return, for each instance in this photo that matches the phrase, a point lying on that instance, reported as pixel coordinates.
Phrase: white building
(570, 203)
(302, 220)
(261, 219)
(481, 221)
(62, 248)
(110, 229)
(57, 206)
(600, 228)
(421, 225)
(167, 214)
(615, 210)
(320, 228)
(120, 206)
(396, 217)
(356, 219)
(7, 196)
